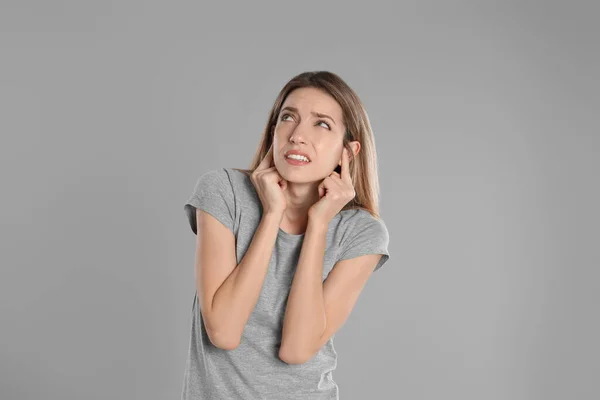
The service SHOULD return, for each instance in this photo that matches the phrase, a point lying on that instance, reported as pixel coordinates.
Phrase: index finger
(267, 160)
(345, 166)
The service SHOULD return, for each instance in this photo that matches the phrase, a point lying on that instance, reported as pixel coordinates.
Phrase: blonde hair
(363, 167)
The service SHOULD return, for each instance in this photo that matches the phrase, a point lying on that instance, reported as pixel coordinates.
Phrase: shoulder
(224, 178)
(360, 228)
(241, 184)
(237, 176)
(213, 183)
(363, 233)
(359, 220)
(213, 194)
(215, 178)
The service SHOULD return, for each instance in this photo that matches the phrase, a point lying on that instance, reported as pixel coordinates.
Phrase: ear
(355, 146)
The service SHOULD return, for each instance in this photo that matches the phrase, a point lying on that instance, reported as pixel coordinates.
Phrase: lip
(296, 152)
(296, 163)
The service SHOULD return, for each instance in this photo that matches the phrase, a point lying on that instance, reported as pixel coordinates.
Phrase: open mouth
(294, 159)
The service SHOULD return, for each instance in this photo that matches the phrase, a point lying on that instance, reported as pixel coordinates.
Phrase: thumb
(321, 189)
(283, 184)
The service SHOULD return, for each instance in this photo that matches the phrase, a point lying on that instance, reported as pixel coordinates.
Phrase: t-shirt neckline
(290, 235)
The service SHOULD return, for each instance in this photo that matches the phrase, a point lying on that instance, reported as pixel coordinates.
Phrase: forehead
(309, 99)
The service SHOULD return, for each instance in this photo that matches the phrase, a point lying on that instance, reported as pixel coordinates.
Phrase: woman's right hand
(269, 185)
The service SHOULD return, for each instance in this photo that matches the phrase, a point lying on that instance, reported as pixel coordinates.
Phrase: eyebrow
(320, 115)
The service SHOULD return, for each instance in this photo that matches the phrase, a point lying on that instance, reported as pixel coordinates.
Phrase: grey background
(485, 118)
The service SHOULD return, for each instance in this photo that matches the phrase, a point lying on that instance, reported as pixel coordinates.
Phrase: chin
(297, 176)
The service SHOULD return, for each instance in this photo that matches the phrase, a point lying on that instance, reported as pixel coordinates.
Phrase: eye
(328, 127)
(282, 118)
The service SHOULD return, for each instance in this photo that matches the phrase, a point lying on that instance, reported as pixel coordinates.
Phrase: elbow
(291, 355)
(223, 341)
(223, 337)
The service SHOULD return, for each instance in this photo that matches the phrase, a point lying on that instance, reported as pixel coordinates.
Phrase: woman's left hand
(335, 192)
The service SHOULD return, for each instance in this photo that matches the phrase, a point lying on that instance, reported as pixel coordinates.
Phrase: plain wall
(485, 121)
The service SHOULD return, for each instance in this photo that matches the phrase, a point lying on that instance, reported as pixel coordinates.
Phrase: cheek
(278, 142)
(279, 135)
(330, 150)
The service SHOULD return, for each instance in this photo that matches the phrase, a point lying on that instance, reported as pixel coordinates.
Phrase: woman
(284, 249)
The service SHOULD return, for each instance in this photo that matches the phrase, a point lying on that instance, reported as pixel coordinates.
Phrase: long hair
(363, 167)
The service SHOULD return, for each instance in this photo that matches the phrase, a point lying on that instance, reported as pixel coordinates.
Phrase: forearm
(236, 298)
(305, 318)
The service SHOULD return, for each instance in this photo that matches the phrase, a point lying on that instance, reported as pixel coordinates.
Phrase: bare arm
(228, 292)
(305, 318)
(316, 310)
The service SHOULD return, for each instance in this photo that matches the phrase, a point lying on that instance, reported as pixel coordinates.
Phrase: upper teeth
(297, 157)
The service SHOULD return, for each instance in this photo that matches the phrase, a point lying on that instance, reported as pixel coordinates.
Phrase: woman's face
(320, 137)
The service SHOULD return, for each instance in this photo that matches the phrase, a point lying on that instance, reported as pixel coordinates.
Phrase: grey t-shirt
(253, 370)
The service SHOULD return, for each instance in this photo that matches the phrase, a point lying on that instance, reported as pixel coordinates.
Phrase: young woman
(284, 249)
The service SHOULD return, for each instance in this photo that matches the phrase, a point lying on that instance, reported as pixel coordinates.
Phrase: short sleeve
(368, 237)
(213, 194)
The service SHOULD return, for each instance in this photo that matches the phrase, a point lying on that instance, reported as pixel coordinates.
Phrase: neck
(300, 197)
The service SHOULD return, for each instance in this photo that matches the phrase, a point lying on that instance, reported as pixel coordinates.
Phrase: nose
(294, 138)
(299, 134)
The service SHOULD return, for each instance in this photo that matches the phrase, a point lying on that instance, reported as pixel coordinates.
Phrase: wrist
(317, 224)
(273, 216)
